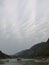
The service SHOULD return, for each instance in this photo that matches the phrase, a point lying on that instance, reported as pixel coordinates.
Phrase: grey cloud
(23, 23)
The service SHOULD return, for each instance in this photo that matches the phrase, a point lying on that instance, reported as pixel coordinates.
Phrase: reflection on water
(23, 62)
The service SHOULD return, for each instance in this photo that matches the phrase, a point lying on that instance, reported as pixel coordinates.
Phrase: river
(22, 62)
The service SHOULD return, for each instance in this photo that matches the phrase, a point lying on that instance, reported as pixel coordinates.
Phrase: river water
(22, 62)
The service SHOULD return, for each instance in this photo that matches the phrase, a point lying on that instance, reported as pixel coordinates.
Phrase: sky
(23, 23)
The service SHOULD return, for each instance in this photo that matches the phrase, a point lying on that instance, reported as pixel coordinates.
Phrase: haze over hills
(38, 50)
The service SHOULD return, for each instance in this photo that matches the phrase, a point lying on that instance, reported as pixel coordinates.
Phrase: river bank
(45, 59)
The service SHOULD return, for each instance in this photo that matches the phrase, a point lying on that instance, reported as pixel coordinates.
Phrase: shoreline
(46, 59)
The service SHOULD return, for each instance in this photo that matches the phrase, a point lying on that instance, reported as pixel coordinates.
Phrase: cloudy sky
(23, 23)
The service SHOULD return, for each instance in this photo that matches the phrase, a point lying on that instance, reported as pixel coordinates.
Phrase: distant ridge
(38, 50)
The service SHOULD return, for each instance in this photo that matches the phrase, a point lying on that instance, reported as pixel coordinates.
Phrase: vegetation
(3, 56)
(37, 51)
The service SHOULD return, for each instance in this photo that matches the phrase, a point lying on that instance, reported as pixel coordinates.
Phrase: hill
(38, 50)
(3, 55)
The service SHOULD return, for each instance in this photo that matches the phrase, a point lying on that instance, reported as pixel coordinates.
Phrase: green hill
(3, 55)
(38, 50)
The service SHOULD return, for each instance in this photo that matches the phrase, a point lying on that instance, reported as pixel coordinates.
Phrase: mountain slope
(38, 50)
(3, 56)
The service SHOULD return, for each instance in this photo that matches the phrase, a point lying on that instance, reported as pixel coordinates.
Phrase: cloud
(23, 23)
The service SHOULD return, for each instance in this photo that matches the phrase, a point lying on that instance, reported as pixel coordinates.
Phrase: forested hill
(3, 55)
(38, 50)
